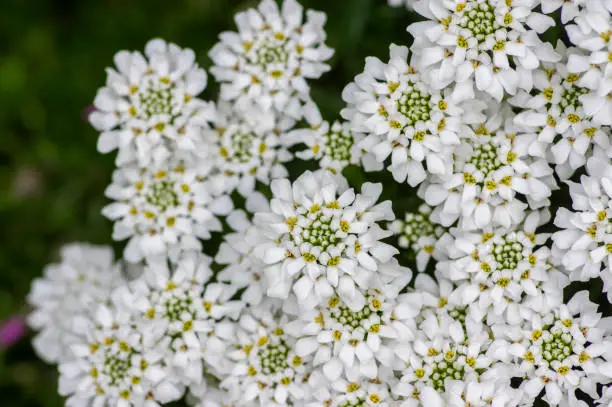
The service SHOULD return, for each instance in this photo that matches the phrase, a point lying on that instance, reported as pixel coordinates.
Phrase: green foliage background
(52, 60)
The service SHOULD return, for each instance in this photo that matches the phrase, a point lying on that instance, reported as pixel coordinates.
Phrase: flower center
(484, 158)
(343, 314)
(416, 226)
(176, 307)
(162, 195)
(338, 145)
(320, 232)
(117, 366)
(414, 105)
(446, 365)
(479, 19)
(570, 97)
(242, 146)
(273, 358)
(557, 346)
(268, 53)
(154, 99)
(508, 253)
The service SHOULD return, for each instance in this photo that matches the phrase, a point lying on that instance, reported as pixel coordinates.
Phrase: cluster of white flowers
(306, 302)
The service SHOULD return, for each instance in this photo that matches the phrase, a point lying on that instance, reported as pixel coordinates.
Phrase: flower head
(492, 44)
(269, 59)
(68, 290)
(148, 107)
(403, 117)
(321, 238)
(164, 210)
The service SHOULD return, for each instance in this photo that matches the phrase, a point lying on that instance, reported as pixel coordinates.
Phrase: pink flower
(11, 331)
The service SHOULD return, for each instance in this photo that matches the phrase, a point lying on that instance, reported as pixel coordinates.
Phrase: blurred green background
(52, 60)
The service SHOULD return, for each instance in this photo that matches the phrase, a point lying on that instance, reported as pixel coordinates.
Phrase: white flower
(247, 147)
(355, 343)
(262, 365)
(68, 290)
(505, 272)
(556, 108)
(559, 351)
(242, 269)
(269, 59)
(399, 3)
(493, 44)
(591, 33)
(584, 246)
(320, 238)
(163, 210)
(111, 366)
(419, 235)
(402, 117)
(148, 108)
(334, 146)
(491, 169)
(355, 393)
(443, 360)
(176, 313)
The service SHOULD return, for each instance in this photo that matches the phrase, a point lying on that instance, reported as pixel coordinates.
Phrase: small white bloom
(148, 108)
(247, 147)
(492, 44)
(351, 343)
(164, 210)
(504, 272)
(112, 366)
(321, 238)
(559, 351)
(491, 169)
(556, 110)
(419, 235)
(334, 146)
(68, 290)
(591, 34)
(584, 245)
(262, 365)
(404, 118)
(177, 314)
(269, 59)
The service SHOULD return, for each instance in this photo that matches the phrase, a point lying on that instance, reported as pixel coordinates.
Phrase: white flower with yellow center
(592, 34)
(355, 343)
(246, 148)
(491, 169)
(376, 392)
(181, 316)
(322, 239)
(440, 361)
(492, 44)
(164, 210)
(555, 110)
(335, 146)
(419, 235)
(584, 245)
(262, 365)
(559, 352)
(505, 272)
(149, 107)
(268, 61)
(404, 118)
(68, 290)
(112, 366)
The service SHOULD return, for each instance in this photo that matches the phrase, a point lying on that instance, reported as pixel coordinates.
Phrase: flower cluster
(308, 299)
